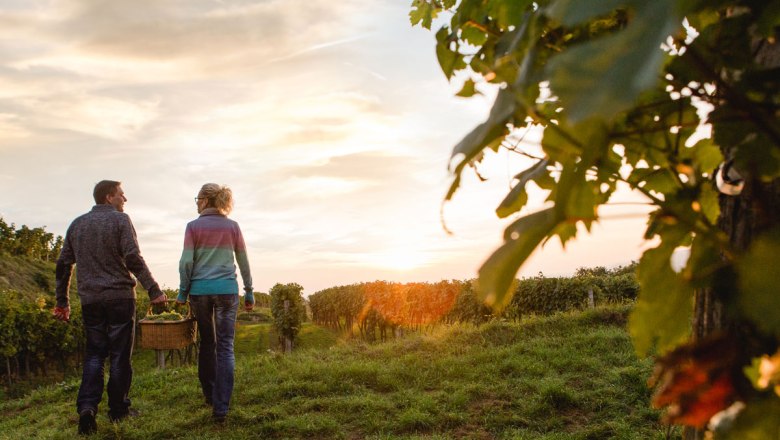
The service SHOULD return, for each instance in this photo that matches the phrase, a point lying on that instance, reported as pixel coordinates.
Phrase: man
(103, 244)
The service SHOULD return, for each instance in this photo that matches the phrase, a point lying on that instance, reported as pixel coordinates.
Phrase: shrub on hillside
(288, 309)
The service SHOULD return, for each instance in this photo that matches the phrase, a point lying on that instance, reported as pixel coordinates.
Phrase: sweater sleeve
(243, 261)
(186, 263)
(63, 271)
(134, 260)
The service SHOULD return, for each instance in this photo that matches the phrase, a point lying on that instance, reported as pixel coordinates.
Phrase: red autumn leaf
(694, 381)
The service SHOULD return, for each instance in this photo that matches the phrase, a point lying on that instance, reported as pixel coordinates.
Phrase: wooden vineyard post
(160, 359)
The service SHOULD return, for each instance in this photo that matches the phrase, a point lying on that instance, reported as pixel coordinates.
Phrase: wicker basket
(168, 335)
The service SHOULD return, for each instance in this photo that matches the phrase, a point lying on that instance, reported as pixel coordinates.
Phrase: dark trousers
(216, 316)
(110, 328)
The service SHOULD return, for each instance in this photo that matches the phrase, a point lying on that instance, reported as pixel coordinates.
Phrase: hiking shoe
(87, 424)
(131, 412)
(219, 420)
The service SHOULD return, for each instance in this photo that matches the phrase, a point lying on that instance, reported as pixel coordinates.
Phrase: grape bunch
(165, 316)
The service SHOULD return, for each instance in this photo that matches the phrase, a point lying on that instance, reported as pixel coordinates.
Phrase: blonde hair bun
(218, 196)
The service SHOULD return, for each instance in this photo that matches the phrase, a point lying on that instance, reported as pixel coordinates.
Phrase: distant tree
(619, 88)
(35, 243)
(7, 235)
(56, 248)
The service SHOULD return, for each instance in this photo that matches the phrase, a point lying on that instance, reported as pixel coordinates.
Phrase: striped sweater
(207, 264)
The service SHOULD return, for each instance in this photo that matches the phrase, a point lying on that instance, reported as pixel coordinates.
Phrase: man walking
(102, 244)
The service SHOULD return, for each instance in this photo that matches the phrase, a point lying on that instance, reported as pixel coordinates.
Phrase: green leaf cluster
(287, 308)
(31, 338)
(620, 90)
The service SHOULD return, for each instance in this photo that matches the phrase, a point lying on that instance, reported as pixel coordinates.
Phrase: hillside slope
(27, 275)
(564, 377)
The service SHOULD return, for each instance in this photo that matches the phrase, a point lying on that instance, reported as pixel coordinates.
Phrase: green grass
(27, 275)
(571, 376)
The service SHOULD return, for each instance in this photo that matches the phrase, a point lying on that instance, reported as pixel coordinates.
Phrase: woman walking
(207, 274)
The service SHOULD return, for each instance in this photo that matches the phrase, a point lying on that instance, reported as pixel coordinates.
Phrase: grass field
(571, 376)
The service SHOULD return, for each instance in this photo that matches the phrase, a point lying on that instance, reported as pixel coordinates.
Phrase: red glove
(248, 306)
(62, 313)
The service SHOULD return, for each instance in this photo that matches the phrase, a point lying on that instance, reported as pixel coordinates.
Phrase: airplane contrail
(320, 46)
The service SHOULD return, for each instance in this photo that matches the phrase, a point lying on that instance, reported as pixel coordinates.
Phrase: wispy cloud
(317, 47)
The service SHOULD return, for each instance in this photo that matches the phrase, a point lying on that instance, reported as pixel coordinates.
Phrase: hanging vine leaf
(517, 197)
(605, 76)
(520, 239)
(661, 316)
(759, 298)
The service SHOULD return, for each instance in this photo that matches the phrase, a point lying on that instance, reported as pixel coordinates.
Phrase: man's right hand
(162, 299)
(62, 313)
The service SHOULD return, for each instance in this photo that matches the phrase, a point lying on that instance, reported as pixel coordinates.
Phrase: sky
(331, 122)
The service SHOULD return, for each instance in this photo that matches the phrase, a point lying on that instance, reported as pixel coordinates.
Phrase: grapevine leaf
(565, 231)
(703, 262)
(582, 202)
(484, 134)
(557, 144)
(422, 12)
(704, 18)
(468, 89)
(705, 154)
(758, 284)
(603, 77)
(545, 181)
(661, 180)
(664, 305)
(710, 205)
(573, 12)
(509, 13)
(520, 239)
(449, 60)
(761, 155)
(473, 35)
(517, 197)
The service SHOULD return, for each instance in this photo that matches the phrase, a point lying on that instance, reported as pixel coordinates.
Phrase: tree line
(29, 242)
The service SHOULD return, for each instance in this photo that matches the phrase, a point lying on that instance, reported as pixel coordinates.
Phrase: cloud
(203, 32)
(373, 166)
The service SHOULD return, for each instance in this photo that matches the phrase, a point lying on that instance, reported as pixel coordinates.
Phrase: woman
(208, 277)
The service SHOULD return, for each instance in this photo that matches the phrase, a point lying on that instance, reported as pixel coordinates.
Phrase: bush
(30, 337)
(287, 319)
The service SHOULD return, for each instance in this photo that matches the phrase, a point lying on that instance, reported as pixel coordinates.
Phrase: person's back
(103, 244)
(214, 239)
(96, 239)
(207, 277)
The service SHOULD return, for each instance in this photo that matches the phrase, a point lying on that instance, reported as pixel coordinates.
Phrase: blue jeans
(109, 327)
(216, 316)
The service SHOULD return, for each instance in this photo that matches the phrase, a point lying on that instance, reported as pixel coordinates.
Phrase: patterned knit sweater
(103, 245)
(207, 265)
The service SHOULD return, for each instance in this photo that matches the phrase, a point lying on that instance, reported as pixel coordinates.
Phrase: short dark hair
(104, 188)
